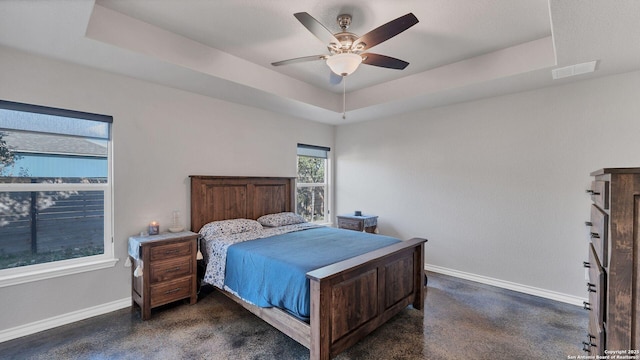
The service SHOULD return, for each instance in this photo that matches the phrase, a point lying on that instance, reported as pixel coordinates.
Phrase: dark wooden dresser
(169, 268)
(613, 265)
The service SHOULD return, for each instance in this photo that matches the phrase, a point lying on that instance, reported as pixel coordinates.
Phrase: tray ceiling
(460, 50)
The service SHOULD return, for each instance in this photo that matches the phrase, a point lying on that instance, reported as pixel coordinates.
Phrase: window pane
(40, 227)
(311, 170)
(310, 203)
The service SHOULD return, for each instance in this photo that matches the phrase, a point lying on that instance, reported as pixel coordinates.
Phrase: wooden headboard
(234, 197)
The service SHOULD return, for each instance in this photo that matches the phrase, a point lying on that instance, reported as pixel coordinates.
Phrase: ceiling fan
(347, 49)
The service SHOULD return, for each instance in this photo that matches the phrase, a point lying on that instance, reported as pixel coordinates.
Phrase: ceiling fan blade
(316, 28)
(385, 32)
(383, 61)
(334, 79)
(300, 59)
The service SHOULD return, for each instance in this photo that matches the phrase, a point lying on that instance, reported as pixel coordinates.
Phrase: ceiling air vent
(574, 70)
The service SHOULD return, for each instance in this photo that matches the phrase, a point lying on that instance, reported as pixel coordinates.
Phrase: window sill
(62, 270)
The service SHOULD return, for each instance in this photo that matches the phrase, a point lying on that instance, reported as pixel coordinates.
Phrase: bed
(348, 299)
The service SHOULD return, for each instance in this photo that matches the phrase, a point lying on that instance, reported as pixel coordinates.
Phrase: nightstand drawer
(170, 251)
(350, 224)
(171, 269)
(167, 292)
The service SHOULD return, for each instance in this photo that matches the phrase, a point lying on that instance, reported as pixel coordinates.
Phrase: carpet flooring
(462, 320)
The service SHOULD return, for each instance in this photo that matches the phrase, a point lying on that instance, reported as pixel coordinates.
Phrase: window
(55, 192)
(312, 196)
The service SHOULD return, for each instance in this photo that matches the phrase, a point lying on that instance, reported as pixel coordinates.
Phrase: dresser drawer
(599, 233)
(350, 224)
(170, 291)
(171, 250)
(171, 269)
(596, 286)
(595, 341)
(600, 193)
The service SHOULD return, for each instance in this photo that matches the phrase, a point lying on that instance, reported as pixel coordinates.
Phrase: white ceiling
(460, 50)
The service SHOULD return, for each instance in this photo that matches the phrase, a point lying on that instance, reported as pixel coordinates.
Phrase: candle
(154, 228)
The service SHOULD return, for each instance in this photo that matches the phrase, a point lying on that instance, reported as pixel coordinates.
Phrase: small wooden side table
(367, 223)
(169, 268)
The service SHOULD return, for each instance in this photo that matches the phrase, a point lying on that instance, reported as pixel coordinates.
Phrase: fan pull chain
(344, 97)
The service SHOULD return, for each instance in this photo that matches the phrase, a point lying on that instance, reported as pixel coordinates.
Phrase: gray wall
(496, 185)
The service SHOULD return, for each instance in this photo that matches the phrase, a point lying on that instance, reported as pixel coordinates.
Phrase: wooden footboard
(352, 298)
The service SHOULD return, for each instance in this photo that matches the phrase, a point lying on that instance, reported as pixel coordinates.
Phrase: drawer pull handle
(592, 192)
(586, 305)
(595, 235)
(169, 252)
(172, 291)
(586, 346)
(586, 264)
(588, 223)
(177, 268)
(590, 287)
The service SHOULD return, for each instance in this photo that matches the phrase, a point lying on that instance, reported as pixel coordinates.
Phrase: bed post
(320, 347)
(418, 302)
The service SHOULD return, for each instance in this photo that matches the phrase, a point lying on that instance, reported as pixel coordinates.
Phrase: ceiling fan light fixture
(344, 64)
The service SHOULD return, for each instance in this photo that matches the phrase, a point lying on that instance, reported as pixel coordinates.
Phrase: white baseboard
(46, 324)
(548, 294)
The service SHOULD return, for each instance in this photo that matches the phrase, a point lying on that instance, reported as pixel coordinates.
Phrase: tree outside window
(311, 184)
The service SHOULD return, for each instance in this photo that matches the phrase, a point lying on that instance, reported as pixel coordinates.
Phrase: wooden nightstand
(367, 223)
(169, 269)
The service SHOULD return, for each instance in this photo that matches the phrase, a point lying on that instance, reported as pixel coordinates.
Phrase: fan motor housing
(346, 40)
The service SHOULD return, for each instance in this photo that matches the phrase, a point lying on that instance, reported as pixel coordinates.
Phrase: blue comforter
(272, 271)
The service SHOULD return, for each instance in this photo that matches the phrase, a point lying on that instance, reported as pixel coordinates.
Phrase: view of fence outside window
(311, 184)
(54, 188)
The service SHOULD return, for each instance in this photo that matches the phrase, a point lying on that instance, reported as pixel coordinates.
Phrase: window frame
(326, 184)
(41, 271)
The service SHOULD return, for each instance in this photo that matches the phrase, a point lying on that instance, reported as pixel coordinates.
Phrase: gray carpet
(462, 320)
